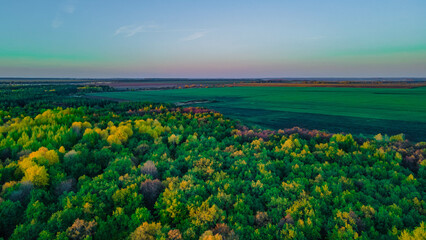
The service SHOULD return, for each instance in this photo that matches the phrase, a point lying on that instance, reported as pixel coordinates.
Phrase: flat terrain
(352, 110)
(339, 84)
(169, 83)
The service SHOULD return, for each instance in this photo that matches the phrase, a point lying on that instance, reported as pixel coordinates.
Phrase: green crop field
(353, 110)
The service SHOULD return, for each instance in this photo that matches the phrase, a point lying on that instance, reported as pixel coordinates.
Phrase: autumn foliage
(87, 169)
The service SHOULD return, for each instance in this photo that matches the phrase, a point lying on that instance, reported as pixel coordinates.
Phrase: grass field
(352, 110)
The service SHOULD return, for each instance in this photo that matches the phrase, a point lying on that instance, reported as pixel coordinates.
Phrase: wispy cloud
(67, 9)
(194, 36)
(70, 8)
(131, 30)
(56, 22)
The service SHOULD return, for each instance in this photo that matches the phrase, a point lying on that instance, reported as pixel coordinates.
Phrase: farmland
(365, 111)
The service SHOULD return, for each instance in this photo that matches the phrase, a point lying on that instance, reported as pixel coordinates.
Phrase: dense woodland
(77, 168)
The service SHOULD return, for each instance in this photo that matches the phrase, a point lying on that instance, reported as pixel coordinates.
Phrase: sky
(212, 38)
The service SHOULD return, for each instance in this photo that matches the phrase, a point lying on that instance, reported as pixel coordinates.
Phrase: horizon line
(205, 78)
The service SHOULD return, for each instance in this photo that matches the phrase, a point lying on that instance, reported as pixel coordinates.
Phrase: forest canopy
(77, 168)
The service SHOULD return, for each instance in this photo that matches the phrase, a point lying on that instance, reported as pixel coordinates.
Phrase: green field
(353, 110)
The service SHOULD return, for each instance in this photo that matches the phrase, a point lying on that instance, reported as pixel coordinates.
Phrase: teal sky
(206, 38)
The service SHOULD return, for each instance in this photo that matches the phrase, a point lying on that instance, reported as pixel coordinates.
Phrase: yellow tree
(37, 175)
(148, 231)
(418, 233)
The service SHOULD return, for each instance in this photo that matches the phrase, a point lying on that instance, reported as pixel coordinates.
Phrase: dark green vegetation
(75, 168)
(351, 110)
